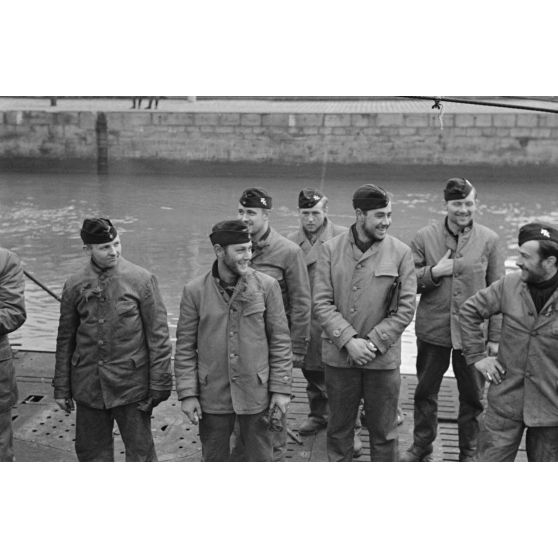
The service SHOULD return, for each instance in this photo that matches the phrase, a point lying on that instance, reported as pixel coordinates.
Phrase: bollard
(101, 129)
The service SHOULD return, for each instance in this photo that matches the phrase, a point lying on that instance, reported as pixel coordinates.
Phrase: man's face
(376, 222)
(236, 257)
(530, 262)
(462, 212)
(255, 218)
(105, 255)
(313, 218)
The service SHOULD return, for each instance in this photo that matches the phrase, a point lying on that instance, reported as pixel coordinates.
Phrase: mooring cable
(42, 285)
(437, 100)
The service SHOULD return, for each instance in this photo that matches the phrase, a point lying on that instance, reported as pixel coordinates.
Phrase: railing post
(101, 129)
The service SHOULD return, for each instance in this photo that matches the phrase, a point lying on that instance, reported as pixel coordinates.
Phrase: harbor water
(164, 222)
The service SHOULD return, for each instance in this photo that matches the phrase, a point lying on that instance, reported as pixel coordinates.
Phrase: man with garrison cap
(454, 258)
(283, 260)
(364, 298)
(523, 376)
(233, 356)
(113, 351)
(315, 229)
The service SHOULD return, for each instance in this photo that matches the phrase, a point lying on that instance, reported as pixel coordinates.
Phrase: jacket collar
(451, 239)
(325, 235)
(357, 253)
(108, 272)
(550, 306)
(266, 239)
(244, 291)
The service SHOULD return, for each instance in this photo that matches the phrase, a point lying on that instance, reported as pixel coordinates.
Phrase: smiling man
(233, 357)
(282, 259)
(524, 375)
(454, 259)
(364, 298)
(113, 351)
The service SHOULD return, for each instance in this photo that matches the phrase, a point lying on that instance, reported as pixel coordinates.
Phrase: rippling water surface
(164, 222)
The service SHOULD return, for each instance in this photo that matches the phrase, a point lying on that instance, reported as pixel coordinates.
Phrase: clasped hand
(361, 351)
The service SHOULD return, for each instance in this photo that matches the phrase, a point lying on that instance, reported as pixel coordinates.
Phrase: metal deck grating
(44, 433)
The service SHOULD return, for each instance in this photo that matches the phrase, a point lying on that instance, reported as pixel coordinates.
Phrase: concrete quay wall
(508, 139)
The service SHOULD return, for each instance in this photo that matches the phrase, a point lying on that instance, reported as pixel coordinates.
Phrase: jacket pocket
(203, 376)
(5, 353)
(126, 308)
(134, 362)
(139, 361)
(75, 358)
(386, 271)
(258, 308)
(263, 375)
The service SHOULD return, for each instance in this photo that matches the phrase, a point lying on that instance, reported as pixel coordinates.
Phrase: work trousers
(253, 435)
(500, 438)
(6, 437)
(432, 363)
(278, 441)
(380, 391)
(94, 433)
(317, 395)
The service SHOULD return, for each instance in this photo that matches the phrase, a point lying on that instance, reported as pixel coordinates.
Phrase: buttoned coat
(232, 354)
(313, 358)
(12, 316)
(478, 262)
(283, 260)
(528, 350)
(113, 342)
(352, 295)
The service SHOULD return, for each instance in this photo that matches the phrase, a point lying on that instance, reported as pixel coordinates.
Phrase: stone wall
(495, 139)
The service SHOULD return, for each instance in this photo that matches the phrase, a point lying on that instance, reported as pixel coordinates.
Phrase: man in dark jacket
(12, 316)
(113, 351)
(233, 357)
(524, 375)
(454, 258)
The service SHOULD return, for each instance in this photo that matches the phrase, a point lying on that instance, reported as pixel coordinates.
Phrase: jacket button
(101, 321)
(101, 362)
(232, 355)
(337, 333)
(101, 342)
(355, 288)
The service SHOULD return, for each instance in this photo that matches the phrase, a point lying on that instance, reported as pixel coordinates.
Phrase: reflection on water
(165, 220)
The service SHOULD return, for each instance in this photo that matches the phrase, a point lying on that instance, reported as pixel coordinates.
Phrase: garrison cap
(369, 197)
(97, 230)
(457, 189)
(309, 197)
(255, 197)
(229, 232)
(537, 231)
